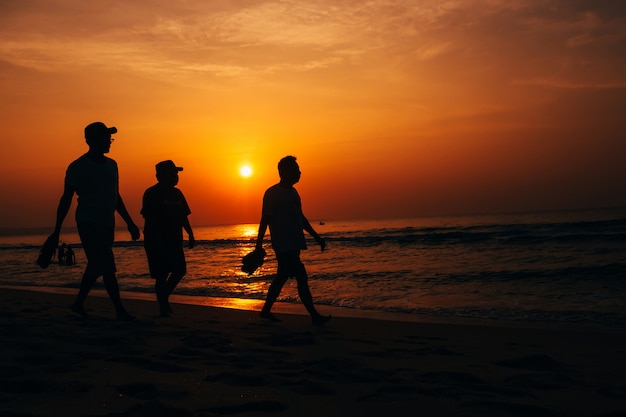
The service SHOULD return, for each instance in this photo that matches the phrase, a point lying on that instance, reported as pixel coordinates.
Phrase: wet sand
(210, 361)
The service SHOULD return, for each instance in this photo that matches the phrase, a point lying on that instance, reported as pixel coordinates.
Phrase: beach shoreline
(255, 305)
(211, 361)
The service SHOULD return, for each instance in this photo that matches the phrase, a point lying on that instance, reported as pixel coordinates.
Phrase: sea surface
(549, 266)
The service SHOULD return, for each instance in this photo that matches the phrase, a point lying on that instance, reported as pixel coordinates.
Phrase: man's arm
(307, 226)
(64, 207)
(262, 229)
(132, 227)
(187, 227)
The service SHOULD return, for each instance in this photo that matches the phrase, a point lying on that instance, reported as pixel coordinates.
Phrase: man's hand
(134, 231)
(321, 242)
(192, 241)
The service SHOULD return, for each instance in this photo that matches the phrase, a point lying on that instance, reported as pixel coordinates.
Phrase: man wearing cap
(94, 179)
(166, 212)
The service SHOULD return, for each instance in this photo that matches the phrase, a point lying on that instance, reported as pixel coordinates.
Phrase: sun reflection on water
(247, 230)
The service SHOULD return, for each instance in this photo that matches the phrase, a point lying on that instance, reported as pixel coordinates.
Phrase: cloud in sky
(462, 48)
(221, 39)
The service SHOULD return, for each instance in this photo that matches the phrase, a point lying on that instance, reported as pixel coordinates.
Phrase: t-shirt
(97, 186)
(283, 207)
(164, 210)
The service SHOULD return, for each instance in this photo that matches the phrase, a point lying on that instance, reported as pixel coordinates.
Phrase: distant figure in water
(282, 212)
(166, 212)
(70, 258)
(94, 178)
(61, 254)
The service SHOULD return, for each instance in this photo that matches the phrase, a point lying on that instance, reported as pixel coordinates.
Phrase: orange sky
(393, 108)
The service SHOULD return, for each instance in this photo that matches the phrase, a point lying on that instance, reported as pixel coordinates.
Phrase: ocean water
(550, 266)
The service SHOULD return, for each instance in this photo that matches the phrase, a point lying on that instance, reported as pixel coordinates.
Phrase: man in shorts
(94, 178)
(282, 212)
(166, 212)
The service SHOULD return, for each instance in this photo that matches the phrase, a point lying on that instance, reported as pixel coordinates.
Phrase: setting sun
(245, 171)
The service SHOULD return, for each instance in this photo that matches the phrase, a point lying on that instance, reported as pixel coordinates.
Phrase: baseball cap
(98, 129)
(167, 166)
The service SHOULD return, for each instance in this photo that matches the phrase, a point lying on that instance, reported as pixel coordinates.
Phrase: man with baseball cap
(93, 177)
(98, 129)
(166, 212)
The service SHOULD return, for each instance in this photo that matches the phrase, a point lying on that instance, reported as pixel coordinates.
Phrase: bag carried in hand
(47, 252)
(253, 261)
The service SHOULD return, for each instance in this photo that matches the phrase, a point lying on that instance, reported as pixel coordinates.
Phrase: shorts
(164, 258)
(289, 264)
(97, 243)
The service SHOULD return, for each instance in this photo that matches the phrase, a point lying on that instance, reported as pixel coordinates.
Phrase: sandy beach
(208, 361)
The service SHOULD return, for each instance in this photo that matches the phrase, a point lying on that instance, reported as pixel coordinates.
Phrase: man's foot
(320, 320)
(79, 309)
(124, 316)
(268, 316)
(165, 310)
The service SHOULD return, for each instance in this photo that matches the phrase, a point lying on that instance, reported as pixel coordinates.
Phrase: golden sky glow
(393, 108)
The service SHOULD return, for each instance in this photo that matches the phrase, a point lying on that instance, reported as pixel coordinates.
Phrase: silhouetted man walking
(166, 212)
(94, 178)
(282, 212)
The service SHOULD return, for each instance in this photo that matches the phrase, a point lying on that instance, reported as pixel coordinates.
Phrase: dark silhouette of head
(289, 170)
(167, 172)
(98, 137)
